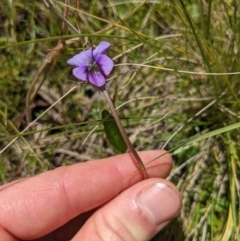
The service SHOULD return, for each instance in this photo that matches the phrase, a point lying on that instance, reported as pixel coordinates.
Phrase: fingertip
(158, 163)
(145, 207)
(160, 201)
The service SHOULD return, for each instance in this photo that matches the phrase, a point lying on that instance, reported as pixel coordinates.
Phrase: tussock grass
(175, 83)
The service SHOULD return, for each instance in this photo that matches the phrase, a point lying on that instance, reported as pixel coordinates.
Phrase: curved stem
(137, 160)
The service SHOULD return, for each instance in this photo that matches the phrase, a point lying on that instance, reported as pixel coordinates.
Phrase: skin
(96, 200)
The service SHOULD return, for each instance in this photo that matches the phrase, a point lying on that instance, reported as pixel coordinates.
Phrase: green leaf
(112, 132)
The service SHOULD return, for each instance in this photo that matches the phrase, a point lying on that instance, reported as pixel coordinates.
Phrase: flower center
(93, 67)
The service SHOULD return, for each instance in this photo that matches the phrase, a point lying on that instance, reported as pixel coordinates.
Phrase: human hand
(96, 200)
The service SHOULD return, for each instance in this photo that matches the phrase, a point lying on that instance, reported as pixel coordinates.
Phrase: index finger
(40, 204)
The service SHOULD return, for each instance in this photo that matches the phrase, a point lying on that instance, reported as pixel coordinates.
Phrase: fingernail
(160, 202)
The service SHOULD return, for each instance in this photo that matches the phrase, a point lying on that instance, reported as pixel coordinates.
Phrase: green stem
(137, 160)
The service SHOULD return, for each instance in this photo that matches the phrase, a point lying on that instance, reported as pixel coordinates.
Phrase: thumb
(138, 213)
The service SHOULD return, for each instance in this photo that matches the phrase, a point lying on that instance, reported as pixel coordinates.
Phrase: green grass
(176, 83)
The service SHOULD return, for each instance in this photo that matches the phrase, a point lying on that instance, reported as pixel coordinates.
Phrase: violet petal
(81, 73)
(105, 63)
(102, 48)
(97, 79)
(82, 58)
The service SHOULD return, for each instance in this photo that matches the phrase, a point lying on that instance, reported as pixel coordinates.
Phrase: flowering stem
(137, 160)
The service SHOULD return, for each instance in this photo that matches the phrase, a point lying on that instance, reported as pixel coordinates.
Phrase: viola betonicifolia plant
(93, 66)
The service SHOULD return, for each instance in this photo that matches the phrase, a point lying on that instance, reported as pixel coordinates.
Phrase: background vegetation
(175, 83)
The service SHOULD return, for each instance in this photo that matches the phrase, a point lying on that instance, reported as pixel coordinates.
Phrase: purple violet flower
(93, 65)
